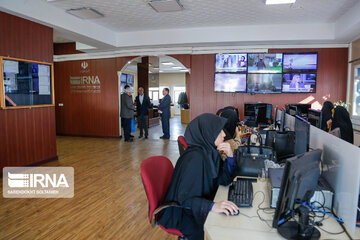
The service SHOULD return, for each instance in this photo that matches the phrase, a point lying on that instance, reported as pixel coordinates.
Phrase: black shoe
(140, 136)
(146, 137)
(131, 136)
(164, 137)
(129, 140)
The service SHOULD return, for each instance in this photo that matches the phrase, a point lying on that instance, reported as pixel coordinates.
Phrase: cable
(338, 219)
(331, 233)
(259, 209)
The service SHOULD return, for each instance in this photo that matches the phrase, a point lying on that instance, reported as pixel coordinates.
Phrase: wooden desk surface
(222, 227)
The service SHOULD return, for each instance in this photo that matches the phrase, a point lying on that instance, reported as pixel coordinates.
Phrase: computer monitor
(302, 135)
(261, 114)
(269, 111)
(298, 109)
(282, 120)
(275, 116)
(298, 184)
(292, 110)
(249, 109)
(315, 118)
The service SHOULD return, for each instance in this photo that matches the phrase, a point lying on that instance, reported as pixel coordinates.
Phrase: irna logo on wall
(86, 82)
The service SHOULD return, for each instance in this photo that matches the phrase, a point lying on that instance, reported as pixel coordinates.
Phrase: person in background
(142, 109)
(197, 175)
(342, 120)
(164, 109)
(127, 112)
(327, 115)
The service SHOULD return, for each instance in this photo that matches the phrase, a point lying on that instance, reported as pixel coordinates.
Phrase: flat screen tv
(123, 77)
(264, 83)
(265, 63)
(234, 62)
(300, 62)
(230, 82)
(299, 82)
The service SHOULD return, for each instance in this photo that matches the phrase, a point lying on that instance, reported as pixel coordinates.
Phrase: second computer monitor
(302, 135)
(315, 118)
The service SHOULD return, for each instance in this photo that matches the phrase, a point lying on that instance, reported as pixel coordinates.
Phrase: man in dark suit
(164, 109)
(142, 109)
(127, 112)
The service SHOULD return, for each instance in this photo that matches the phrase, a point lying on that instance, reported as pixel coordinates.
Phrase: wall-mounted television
(264, 83)
(265, 63)
(300, 62)
(231, 62)
(299, 82)
(230, 82)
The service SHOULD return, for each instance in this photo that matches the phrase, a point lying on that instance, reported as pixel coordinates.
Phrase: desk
(222, 227)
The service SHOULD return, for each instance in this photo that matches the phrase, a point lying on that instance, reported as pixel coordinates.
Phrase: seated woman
(342, 120)
(327, 115)
(196, 177)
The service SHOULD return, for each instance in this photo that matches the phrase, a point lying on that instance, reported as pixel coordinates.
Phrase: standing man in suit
(164, 109)
(142, 109)
(127, 112)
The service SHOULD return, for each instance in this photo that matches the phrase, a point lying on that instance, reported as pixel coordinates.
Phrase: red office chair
(156, 173)
(182, 144)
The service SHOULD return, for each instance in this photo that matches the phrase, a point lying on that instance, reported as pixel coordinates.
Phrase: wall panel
(27, 136)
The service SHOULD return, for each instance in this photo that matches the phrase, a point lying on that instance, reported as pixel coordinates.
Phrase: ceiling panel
(137, 15)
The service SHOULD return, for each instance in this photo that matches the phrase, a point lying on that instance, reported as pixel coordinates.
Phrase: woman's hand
(225, 147)
(227, 207)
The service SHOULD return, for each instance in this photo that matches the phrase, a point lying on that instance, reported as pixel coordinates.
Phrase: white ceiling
(133, 24)
(131, 66)
(137, 15)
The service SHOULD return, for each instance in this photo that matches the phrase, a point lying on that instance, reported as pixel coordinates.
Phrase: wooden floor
(109, 201)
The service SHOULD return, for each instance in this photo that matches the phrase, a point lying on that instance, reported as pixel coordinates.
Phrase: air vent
(85, 13)
(166, 5)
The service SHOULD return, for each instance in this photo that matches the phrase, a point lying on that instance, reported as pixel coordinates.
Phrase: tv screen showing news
(300, 62)
(231, 62)
(264, 83)
(299, 83)
(230, 82)
(265, 63)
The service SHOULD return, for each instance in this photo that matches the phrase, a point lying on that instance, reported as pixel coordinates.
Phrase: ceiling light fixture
(167, 63)
(166, 5)
(177, 67)
(85, 13)
(271, 2)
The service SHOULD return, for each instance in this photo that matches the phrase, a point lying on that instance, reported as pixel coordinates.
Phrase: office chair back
(156, 174)
(182, 144)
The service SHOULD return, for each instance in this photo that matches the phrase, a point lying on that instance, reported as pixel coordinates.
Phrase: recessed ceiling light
(177, 67)
(166, 5)
(184, 70)
(167, 63)
(85, 13)
(270, 2)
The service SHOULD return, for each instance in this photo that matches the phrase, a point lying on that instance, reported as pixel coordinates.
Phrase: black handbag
(250, 159)
(283, 143)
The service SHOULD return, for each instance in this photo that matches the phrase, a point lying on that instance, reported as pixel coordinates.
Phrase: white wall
(172, 80)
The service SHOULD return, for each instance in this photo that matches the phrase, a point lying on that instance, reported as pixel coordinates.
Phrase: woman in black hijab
(327, 114)
(196, 177)
(232, 117)
(342, 120)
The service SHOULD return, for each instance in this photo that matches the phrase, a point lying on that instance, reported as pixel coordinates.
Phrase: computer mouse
(235, 213)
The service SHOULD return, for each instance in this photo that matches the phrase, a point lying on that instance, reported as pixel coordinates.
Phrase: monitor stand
(299, 231)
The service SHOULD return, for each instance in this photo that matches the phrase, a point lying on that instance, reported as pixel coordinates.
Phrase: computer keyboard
(241, 193)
